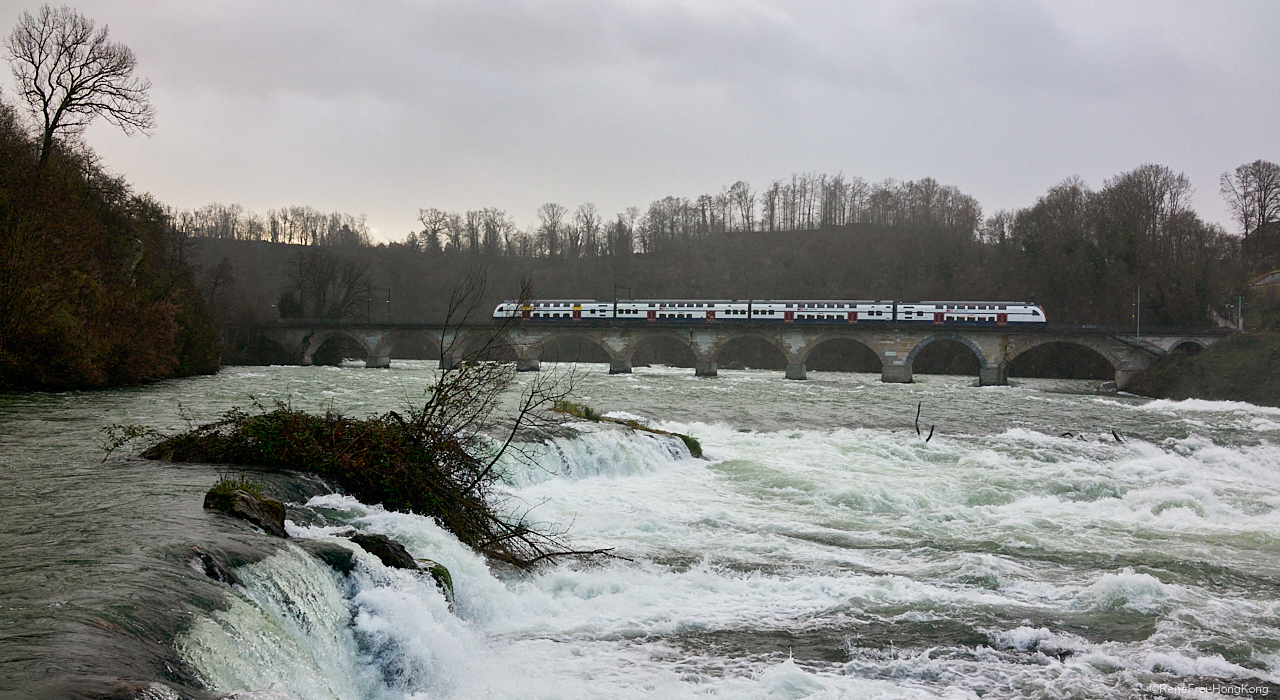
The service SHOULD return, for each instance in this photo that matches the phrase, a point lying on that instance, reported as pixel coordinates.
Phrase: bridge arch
(957, 337)
(827, 341)
(400, 337)
(1087, 343)
(461, 345)
(316, 340)
(648, 336)
(744, 340)
(542, 345)
(1060, 358)
(1189, 346)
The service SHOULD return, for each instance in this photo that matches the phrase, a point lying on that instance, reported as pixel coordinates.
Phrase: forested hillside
(95, 289)
(1079, 252)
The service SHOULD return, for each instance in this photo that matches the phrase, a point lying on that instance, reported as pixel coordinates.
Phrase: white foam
(786, 531)
(1133, 591)
(1203, 406)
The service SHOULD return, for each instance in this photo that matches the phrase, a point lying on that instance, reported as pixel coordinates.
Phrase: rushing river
(1048, 541)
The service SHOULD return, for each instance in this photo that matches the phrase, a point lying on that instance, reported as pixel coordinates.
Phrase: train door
(526, 311)
(577, 312)
(788, 317)
(651, 315)
(939, 317)
(852, 316)
(1002, 319)
(711, 314)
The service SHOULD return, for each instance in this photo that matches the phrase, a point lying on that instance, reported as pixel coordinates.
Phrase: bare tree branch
(70, 73)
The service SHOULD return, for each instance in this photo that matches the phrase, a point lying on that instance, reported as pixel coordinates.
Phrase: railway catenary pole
(615, 298)
(1139, 316)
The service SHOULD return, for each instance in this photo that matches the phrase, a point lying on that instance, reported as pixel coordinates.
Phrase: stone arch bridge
(896, 345)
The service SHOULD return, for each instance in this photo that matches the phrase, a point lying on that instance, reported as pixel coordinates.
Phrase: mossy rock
(394, 554)
(444, 580)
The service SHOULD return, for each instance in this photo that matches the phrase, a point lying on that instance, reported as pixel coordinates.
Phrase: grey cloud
(1020, 46)
(384, 106)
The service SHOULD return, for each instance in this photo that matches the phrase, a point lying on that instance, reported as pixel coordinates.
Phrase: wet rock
(394, 554)
(339, 558)
(391, 553)
(263, 512)
(105, 688)
(444, 581)
(213, 568)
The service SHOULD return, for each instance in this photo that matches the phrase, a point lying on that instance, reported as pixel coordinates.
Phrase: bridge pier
(994, 375)
(619, 366)
(705, 369)
(1125, 377)
(895, 374)
(373, 362)
(795, 370)
(528, 364)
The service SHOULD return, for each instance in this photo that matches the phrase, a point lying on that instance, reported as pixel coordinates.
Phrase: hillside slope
(1241, 367)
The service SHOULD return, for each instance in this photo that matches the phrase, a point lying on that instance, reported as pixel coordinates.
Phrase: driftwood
(919, 405)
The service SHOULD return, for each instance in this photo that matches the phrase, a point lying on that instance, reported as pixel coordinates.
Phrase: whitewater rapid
(806, 562)
(1048, 540)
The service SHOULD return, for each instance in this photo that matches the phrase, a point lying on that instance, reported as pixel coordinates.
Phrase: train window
(1035, 312)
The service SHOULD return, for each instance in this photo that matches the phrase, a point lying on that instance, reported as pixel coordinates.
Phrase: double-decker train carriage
(997, 313)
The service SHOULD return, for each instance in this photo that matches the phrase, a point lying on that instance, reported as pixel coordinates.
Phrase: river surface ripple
(1048, 541)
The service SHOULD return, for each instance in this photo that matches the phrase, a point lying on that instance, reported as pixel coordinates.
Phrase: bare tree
(1253, 194)
(434, 223)
(69, 74)
(551, 226)
(587, 222)
(329, 286)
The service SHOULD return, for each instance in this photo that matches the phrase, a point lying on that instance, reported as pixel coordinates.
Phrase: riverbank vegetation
(439, 458)
(96, 288)
(585, 412)
(1241, 367)
(95, 285)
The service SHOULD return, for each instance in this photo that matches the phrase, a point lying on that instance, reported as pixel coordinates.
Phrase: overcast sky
(385, 107)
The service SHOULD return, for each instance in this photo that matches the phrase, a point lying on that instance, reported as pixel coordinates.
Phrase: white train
(994, 313)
